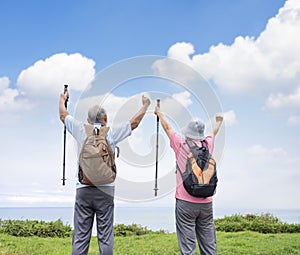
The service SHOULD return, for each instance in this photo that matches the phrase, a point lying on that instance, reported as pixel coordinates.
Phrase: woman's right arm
(165, 124)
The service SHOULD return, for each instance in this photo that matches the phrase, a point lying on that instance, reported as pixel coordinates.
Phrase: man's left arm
(137, 118)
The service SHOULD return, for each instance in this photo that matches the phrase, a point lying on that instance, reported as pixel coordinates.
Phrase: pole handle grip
(158, 103)
(158, 106)
(66, 88)
(66, 92)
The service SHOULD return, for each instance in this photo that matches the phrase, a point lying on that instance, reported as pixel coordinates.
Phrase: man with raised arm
(96, 200)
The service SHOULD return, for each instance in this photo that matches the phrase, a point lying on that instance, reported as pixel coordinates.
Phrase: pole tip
(155, 191)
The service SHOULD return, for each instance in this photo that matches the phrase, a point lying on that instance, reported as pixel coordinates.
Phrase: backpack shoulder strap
(177, 168)
(103, 132)
(204, 144)
(89, 132)
(190, 143)
(88, 129)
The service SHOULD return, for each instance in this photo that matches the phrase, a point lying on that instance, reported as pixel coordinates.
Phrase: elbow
(134, 125)
(169, 132)
(62, 116)
(168, 129)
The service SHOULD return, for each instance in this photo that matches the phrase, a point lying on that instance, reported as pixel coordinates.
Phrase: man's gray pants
(195, 220)
(91, 201)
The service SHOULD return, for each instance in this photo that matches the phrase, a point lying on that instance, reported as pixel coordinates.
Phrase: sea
(154, 218)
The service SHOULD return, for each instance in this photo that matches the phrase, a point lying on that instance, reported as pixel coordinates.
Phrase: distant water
(155, 218)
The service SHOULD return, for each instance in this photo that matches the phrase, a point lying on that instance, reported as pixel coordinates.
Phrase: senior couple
(194, 216)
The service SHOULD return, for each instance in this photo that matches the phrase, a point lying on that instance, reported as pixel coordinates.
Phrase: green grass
(252, 243)
(237, 234)
(240, 243)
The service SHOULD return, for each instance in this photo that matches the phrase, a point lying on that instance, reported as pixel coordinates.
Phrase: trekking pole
(156, 164)
(65, 137)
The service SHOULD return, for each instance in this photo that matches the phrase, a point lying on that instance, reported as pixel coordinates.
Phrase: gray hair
(96, 114)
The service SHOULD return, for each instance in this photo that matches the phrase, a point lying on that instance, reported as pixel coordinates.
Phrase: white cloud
(236, 68)
(279, 100)
(46, 77)
(250, 63)
(294, 120)
(181, 52)
(184, 98)
(269, 173)
(230, 118)
(7, 97)
(177, 67)
(112, 104)
(12, 102)
(4, 83)
(123, 108)
(260, 152)
(176, 108)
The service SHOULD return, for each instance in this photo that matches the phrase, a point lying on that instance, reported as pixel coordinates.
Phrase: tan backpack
(96, 160)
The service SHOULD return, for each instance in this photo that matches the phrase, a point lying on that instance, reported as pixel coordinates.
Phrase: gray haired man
(96, 200)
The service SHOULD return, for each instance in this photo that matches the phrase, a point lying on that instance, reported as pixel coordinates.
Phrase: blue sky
(108, 31)
(247, 50)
